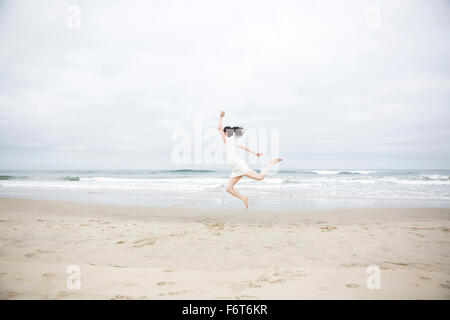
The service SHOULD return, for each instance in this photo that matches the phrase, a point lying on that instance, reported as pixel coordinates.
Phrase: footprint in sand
(121, 297)
(397, 263)
(102, 222)
(50, 275)
(328, 228)
(246, 285)
(215, 227)
(8, 295)
(270, 278)
(175, 293)
(165, 283)
(30, 255)
(417, 234)
(144, 242)
(350, 265)
(264, 226)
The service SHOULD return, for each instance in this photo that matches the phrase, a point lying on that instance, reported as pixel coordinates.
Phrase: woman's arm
(219, 127)
(247, 149)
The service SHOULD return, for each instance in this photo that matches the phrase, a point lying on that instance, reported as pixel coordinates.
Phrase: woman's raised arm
(220, 127)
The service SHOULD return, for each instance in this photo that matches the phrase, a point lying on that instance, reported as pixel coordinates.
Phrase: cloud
(109, 95)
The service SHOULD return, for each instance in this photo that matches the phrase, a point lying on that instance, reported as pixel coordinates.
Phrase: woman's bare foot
(275, 161)
(246, 202)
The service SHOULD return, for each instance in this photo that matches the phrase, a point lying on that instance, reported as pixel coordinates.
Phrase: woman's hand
(222, 114)
(259, 154)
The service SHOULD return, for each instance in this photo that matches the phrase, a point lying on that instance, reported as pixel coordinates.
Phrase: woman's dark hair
(228, 131)
(237, 131)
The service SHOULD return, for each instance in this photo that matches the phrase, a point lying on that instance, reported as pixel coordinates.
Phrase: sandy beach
(127, 252)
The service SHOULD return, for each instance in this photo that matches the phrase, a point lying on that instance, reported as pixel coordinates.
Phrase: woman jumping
(239, 167)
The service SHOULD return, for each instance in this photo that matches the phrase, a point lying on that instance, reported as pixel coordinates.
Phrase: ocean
(285, 189)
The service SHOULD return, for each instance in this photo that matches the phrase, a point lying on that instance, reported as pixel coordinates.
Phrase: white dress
(238, 166)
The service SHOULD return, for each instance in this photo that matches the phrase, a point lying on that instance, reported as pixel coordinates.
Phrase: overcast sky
(365, 85)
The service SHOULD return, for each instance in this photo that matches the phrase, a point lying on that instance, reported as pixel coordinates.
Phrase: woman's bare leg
(230, 189)
(260, 176)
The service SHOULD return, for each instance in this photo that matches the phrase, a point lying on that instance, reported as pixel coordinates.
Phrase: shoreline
(184, 253)
(238, 206)
(287, 190)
